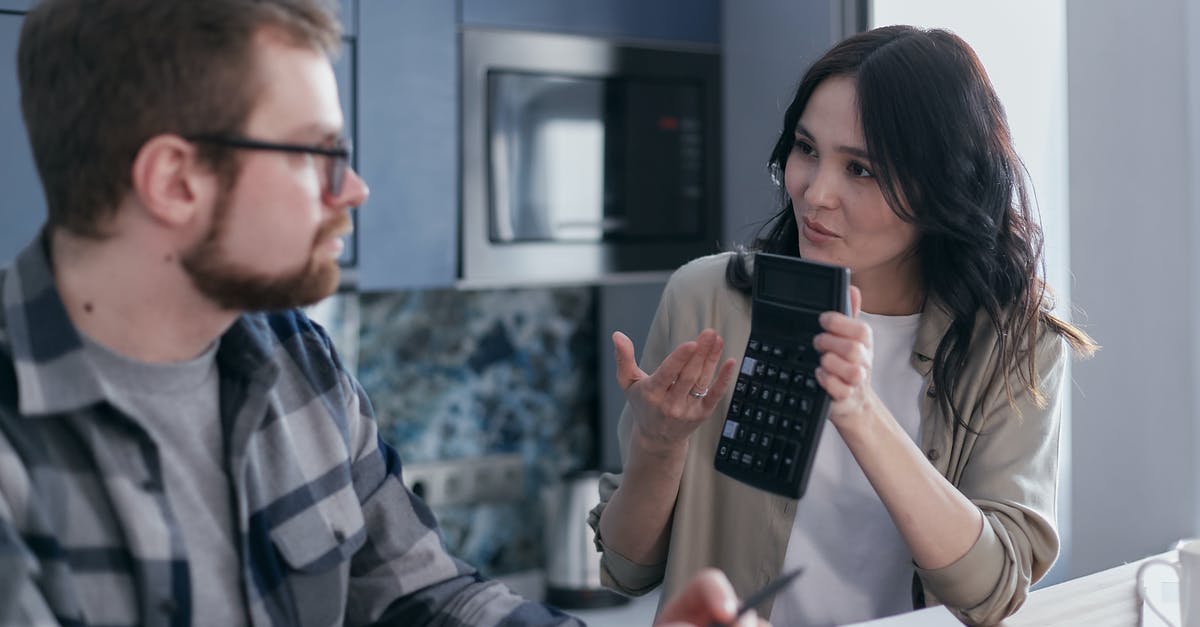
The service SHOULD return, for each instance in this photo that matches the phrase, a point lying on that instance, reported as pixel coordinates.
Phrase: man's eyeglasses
(337, 156)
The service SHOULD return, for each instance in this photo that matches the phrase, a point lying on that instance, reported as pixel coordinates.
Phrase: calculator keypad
(775, 417)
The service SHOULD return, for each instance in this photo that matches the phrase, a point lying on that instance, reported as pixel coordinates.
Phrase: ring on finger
(701, 393)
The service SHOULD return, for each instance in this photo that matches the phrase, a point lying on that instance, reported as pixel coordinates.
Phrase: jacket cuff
(969, 581)
(625, 576)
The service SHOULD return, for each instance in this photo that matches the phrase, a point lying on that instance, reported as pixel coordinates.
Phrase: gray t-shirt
(178, 405)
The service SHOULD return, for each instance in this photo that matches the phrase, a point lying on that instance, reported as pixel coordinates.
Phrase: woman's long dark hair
(943, 157)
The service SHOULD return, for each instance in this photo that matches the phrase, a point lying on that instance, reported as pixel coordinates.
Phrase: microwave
(585, 159)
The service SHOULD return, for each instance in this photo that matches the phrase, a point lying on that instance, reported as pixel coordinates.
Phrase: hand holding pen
(709, 601)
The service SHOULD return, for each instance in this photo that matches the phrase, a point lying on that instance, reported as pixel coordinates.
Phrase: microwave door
(547, 145)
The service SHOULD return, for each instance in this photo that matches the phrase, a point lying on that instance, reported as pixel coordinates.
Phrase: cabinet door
(22, 205)
(694, 21)
(343, 70)
(408, 143)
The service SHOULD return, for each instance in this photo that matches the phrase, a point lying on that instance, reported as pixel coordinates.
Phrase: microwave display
(594, 159)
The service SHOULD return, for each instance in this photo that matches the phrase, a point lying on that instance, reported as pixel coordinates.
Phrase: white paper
(936, 616)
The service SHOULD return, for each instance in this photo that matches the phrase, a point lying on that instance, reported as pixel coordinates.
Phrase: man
(177, 444)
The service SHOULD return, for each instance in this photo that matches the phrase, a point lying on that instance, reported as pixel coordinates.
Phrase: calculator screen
(809, 290)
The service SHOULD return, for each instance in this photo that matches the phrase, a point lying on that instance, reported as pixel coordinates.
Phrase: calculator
(770, 435)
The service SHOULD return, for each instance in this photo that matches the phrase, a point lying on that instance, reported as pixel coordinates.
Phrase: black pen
(764, 594)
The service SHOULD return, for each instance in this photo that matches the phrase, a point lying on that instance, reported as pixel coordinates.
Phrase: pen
(765, 593)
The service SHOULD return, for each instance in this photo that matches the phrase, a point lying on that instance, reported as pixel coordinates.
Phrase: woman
(897, 162)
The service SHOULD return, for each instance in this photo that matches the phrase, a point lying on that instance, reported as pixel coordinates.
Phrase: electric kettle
(572, 562)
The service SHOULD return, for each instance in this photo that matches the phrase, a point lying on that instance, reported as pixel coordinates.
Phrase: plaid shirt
(327, 533)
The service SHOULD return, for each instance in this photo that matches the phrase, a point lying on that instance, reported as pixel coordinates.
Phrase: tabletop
(1097, 600)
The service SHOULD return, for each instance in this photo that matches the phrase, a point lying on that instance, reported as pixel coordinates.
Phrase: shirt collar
(53, 373)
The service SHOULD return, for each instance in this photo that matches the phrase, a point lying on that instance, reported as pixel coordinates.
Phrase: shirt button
(931, 392)
(168, 606)
(933, 454)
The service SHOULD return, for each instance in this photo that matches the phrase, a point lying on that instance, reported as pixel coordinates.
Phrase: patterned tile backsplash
(461, 374)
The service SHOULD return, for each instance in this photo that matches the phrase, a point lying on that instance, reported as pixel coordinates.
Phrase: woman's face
(842, 216)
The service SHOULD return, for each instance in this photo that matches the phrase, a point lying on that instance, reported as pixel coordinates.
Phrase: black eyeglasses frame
(339, 155)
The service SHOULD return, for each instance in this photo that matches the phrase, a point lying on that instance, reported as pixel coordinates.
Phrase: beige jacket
(1008, 466)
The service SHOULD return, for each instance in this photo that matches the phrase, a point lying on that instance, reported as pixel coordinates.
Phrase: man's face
(275, 235)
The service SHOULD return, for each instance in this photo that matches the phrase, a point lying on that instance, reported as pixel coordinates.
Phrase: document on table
(936, 616)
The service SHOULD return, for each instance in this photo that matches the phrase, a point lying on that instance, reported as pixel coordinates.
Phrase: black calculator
(778, 410)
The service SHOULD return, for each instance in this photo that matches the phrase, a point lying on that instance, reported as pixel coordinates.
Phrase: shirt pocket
(317, 546)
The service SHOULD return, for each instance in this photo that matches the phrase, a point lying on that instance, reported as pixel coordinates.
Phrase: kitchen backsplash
(462, 374)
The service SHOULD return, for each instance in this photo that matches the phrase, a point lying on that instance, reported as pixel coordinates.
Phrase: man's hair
(99, 78)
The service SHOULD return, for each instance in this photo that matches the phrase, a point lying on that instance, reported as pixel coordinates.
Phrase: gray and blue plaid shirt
(327, 533)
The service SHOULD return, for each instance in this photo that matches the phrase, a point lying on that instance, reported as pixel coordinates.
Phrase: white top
(856, 565)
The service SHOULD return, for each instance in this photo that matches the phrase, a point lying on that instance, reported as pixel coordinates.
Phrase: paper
(937, 616)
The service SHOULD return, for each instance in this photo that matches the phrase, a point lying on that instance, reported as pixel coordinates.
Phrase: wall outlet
(489, 479)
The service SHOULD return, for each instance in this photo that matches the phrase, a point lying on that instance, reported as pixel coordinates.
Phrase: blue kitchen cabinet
(407, 147)
(689, 21)
(22, 204)
(343, 68)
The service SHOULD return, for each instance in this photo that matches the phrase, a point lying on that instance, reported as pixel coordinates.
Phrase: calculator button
(792, 403)
(730, 431)
(810, 384)
(755, 390)
(806, 405)
(786, 464)
(773, 460)
(789, 459)
(748, 365)
(785, 423)
(785, 377)
(747, 412)
(765, 395)
(765, 441)
(735, 408)
(759, 369)
(778, 352)
(772, 419)
(753, 438)
(747, 458)
(752, 345)
(772, 372)
(777, 398)
(739, 387)
(722, 451)
(767, 348)
(760, 463)
(760, 416)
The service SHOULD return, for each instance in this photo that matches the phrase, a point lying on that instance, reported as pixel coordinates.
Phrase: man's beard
(237, 288)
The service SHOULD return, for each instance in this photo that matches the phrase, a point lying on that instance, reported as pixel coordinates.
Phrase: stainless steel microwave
(585, 159)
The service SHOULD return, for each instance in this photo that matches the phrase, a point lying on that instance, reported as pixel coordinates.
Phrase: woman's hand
(847, 350)
(669, 404)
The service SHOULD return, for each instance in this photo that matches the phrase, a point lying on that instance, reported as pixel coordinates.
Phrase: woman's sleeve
(1012, 476)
